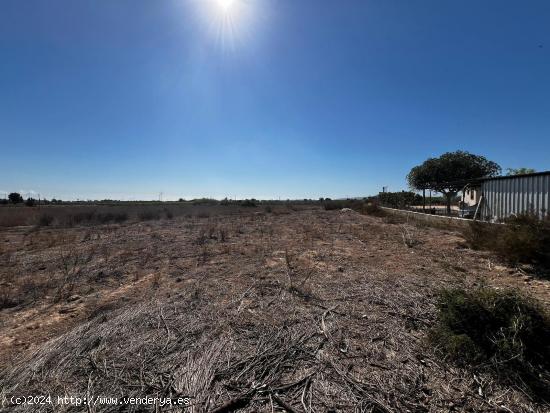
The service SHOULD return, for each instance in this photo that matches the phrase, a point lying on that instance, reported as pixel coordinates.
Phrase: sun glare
(226, 4)
(233, 23)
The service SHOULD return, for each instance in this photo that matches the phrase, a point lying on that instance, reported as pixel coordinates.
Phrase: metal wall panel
(504, 197)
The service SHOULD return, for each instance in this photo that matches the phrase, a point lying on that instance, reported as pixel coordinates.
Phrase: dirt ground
(303, 311)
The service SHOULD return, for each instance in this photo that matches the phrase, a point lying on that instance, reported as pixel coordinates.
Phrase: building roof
(478, 181)
(515, 176)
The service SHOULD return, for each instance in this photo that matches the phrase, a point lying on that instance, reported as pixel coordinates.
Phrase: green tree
(399, 199)
(449, 173)
(15, 198)
(519, 171)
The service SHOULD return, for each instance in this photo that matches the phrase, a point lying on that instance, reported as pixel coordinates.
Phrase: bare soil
(293, 310)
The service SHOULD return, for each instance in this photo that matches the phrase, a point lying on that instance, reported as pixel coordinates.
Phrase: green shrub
(399, 199)
(500, 329)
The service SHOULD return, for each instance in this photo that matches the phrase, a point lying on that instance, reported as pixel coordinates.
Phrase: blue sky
(267, 98)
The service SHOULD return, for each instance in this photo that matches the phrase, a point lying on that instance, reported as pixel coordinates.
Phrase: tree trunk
(449, 197)
(424, 200)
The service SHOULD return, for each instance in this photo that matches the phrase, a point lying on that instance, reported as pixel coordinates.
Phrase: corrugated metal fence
(506, 196)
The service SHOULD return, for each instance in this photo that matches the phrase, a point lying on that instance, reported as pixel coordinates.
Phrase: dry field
(304, 311)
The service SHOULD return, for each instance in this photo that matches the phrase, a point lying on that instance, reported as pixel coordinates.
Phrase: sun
(226, 5)
(231, 23)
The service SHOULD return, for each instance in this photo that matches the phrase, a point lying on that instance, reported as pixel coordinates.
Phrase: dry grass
(303, 311)
(92, 215)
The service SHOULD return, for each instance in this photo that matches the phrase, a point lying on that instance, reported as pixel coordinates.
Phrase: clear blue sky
(264, 98)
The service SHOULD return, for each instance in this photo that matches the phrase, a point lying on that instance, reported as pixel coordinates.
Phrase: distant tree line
(16, 198)
(519, 171)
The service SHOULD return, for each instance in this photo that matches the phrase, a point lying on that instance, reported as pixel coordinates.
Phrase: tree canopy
(449, 173)
(15, 198)
(399, 199)
(519, 171)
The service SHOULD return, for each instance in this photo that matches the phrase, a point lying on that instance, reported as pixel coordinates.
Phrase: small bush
(526, 239)
(7, 302)
(249, 203)
(480, 235)
(500, 329)
(148, 215)
(104, 218)
(372, 208)
(45, 220)
(333, 205)
(120, 217)
(30, 202)
(82, 217)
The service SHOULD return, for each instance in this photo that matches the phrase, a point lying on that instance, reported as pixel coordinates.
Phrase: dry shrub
(148, 215)
(7, 300)
(395, 219)
(524, 239)
(249, 203)
(501, 331)
(81, 218)
(94, 217)
(333, 205)
(169, 214)
(71, 264)
(527, 239)
(105, 218)
(372, 208)
(45, 220)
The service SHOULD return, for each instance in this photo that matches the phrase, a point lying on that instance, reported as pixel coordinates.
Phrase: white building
(494, 199)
